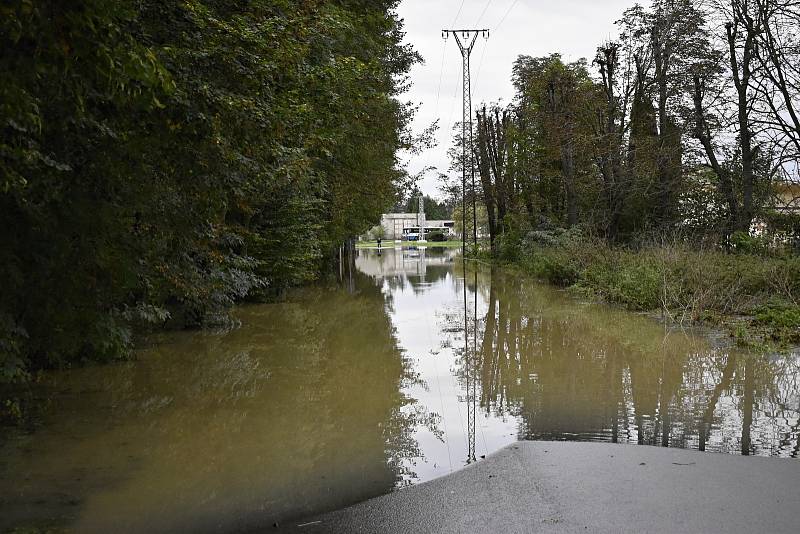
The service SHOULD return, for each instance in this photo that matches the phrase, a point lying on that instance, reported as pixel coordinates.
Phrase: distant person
(379, 242)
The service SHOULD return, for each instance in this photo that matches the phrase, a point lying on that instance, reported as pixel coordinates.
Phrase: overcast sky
(532, 27)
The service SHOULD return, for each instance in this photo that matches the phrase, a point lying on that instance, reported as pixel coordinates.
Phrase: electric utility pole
(466, 41)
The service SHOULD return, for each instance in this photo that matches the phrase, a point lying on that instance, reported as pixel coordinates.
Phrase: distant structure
(787, 197)
(413, 226)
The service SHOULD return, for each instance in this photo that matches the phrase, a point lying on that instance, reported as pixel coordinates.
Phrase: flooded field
(411, 369)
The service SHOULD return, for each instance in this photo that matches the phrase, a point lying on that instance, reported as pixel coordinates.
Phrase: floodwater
(410, 369)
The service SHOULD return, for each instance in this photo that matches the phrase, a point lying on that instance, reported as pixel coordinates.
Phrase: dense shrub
(636, 285)
(744, 243)
(688, 284)
(783, 315)
(782, 318)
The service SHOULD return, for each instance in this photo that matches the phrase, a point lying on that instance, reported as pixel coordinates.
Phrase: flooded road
(412, 370)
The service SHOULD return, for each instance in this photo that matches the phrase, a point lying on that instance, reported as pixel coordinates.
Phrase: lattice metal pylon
(466, 42)
(470, 376)
(474, 362)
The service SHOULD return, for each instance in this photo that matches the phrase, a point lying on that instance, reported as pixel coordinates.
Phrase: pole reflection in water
(470, 361)
(541, 365)
(416, 365)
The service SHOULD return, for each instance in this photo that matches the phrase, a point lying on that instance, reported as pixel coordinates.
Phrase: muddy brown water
(407, 371)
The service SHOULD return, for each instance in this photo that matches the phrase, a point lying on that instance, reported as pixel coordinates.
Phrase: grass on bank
(756, 297)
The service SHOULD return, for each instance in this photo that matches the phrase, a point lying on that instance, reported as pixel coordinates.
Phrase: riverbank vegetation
(162, 160)
(663, 173)
(754, 297)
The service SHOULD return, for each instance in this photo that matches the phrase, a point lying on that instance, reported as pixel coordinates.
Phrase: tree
(434, 209)
(744, 106)
(557, 103)
(162, 160)
(742, 32)
(491, 154)
(609, 132)
(667, 36)
(777, 52)
(377, 232)
(683, 126)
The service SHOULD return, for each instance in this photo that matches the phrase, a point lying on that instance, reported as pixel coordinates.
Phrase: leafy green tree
(557, 107)
(434, 209)
(162, 160)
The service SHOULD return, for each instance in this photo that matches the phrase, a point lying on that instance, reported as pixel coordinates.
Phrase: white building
(413, 226)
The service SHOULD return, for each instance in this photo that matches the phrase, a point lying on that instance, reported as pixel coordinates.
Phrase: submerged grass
(755, 297)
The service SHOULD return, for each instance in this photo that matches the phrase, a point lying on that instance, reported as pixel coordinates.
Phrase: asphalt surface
(586, 487)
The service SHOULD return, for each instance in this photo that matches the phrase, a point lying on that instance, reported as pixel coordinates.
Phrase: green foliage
(437, 237)
(781, 315)
(509, 246)
(688, 284)
(375, 233)
(480, 216)
(559, 270)
(434, 210)
(782, 319)
(12, 341)
(634, 283)
(784, 228)
(744, 243)
(553, 134)
(162, 160)
(553, 267)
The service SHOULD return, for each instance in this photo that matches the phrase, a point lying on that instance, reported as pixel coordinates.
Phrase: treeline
(681, 126)
(162, 160)
(435, 209)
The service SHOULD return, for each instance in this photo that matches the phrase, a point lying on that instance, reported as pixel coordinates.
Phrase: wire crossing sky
(531, 27)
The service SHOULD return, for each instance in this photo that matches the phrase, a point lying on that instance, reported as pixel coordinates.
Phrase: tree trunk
(568, 167)
(609, 163)
(741, 79)
(703, 134)
(484, 170)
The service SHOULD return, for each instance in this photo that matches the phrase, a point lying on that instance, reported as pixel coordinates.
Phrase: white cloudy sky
(533, 27)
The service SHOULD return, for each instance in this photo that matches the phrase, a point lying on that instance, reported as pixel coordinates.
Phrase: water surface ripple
(413, 368)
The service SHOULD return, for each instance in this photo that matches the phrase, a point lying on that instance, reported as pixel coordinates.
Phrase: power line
(441, 397)
(488, 3)
(438, 93)
(459, 13)
(480, 65)
(441, 76)
(506, 15)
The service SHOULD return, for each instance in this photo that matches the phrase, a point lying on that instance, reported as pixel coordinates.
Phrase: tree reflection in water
(579, 371)
(418, 365)
(299, 411)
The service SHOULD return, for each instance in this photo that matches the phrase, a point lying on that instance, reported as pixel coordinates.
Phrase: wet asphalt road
(533, 487)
